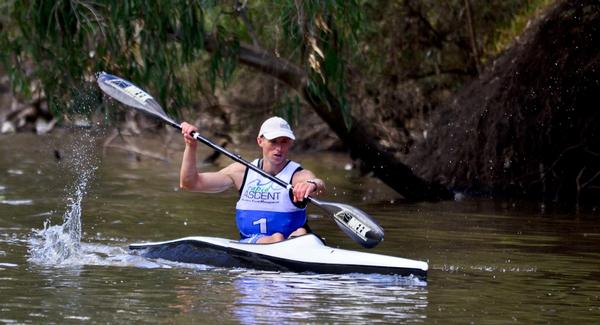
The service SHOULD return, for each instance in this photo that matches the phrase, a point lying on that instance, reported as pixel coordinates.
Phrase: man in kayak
(265, 212)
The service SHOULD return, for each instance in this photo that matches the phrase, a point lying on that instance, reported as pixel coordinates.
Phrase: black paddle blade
(354, 222)
(131, 95)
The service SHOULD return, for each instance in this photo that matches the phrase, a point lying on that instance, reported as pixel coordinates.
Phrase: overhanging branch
(359, 139)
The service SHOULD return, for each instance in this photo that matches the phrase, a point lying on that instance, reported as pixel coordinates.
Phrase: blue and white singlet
(265, 207)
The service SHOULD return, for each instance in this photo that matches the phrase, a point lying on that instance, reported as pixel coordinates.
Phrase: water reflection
(289, 297)
(490, 262)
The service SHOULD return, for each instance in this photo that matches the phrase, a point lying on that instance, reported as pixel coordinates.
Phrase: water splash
(61, 244)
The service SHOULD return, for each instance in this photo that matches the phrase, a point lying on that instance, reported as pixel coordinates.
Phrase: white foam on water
(16, 202)
(61, 244)
(9, 264)
(486, 268)
(81, 318)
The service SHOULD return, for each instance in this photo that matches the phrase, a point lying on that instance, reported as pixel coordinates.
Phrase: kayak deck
(301, 254)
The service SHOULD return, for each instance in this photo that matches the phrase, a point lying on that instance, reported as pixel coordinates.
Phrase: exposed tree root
(528, 126)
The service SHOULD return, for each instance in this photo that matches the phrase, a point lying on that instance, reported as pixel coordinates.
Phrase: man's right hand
(186, 130)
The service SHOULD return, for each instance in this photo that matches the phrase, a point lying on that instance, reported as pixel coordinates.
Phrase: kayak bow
(306, 253)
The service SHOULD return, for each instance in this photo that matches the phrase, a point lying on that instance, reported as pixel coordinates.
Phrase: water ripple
(16, 202)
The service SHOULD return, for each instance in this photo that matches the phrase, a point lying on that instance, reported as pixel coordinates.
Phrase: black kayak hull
(303, 254)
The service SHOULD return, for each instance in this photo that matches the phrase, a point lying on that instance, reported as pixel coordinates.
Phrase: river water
(65, 225)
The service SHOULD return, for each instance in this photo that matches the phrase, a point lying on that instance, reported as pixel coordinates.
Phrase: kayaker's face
(275, 150)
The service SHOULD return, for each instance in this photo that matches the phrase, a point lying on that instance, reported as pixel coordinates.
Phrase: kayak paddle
(355, 223)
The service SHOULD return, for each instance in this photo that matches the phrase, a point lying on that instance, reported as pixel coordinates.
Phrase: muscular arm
(210, 182)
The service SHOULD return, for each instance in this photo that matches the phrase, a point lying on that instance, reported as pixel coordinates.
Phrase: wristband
(312, 181)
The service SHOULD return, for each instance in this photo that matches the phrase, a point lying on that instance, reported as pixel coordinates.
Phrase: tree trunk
(359, 138)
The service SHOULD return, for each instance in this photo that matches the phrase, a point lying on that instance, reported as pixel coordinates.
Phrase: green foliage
(62, 43)
(425, 38)
(413, 54)
(160, 44)
(289, 108)
(53, 47)
(225, 58)
(512, 27)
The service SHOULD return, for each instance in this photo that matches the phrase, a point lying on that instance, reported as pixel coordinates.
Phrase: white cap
(275, 127)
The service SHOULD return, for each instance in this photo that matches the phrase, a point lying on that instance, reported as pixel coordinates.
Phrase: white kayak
(306, 253)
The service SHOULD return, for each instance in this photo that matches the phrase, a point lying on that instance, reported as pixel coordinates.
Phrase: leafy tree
(163, 44)
(389, 52)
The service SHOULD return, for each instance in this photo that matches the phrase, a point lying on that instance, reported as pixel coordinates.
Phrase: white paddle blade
(129, 94)
(354, 222)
